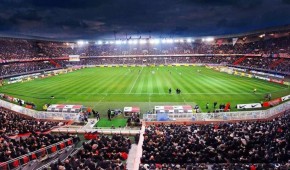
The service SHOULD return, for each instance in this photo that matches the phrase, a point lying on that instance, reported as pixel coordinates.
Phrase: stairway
(54, 63)
(131, 157)
(276, 63)
(238, 61)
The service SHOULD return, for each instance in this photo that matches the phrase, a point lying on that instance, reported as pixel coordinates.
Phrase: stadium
(142, 100)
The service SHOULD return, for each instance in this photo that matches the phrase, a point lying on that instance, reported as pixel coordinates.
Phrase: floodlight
(142, 41)
(169, 41)
(208, 39)
(99, 42)
(152, 41)
(118, 42)
(135, 42)
(157, 41)
(80, 42)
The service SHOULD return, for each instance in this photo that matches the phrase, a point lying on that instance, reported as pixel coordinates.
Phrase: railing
(124, 131)
(39, 114)
(39, 154)
(222, 116)
(72, 154)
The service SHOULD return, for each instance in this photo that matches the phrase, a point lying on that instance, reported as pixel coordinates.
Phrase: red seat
(61, 145)
(53, 149)
(15, 164)
(3, 166)
(25, 159)
(33, 156)
(69, 142)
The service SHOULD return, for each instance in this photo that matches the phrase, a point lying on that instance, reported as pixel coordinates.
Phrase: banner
(74, 57)
(249, 106)
(272, 102)
(284, 55)
(267, 74)
(276, 81)
(285, 98)
(262, 78)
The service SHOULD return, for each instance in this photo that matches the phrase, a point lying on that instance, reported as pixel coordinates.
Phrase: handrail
(53, 161)
(39, 114)
(44, 150)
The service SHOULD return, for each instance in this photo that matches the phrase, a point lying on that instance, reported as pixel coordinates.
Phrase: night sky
(99, 19)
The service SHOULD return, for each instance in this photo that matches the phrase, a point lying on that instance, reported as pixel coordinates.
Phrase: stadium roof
(99, 19)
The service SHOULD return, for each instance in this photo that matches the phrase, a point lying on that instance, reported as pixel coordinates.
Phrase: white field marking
(149, 101)
(184, 100)
(135, 81)
(99, 102)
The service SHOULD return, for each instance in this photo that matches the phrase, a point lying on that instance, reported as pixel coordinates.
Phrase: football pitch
(109, 87)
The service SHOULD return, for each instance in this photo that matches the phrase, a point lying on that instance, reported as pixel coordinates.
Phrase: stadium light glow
(262, 35)
(163, 41)
(80, 42)
(111, 42)
(118, 42)
(189, 40)
(176, 40)
(208, 39)
(169, 41)
(124, 42)
(142, 41)
(130, 42)
(154, 41)
(134, 42)
(181, 40)
(157, 41)
(99, 42)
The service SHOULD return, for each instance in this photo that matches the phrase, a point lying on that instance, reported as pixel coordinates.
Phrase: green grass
(103, 88)
(118, 121)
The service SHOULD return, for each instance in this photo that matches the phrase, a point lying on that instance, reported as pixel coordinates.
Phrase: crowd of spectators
(11, 49)
(268, 45)
(16, 49)
(102, 153)
(12, 124)
(13, 148)
(20, 48)
(17, 68)
(245, 143)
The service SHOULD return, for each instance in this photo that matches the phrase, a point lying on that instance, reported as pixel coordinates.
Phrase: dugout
(130, 111)
(66, 108)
